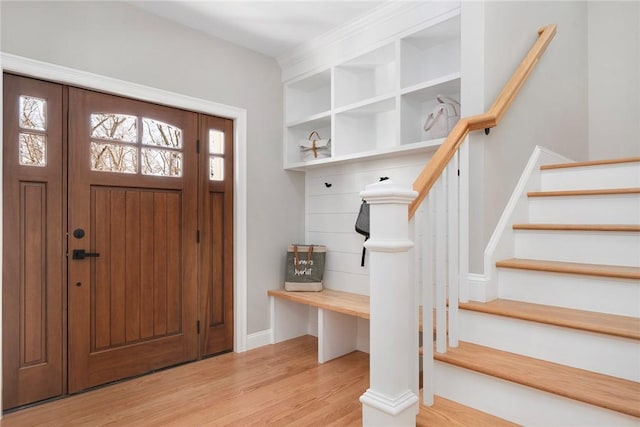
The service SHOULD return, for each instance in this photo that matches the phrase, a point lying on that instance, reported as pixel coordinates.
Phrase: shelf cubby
(300, 132)
(308, 97)
(369, 127)
(418, 101)
(431, 52)
(367, 76)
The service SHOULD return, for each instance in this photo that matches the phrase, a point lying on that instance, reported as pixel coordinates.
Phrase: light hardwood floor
(276, 385)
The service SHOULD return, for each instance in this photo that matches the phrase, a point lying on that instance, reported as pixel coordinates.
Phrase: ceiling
(272, 27)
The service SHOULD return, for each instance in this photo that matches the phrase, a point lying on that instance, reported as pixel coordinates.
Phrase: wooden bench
(337, 313)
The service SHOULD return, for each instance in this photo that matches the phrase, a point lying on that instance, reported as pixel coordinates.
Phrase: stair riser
(609, 355)
(601, 209)
(599, 294)
(623, 175)
(594, 247)
(518, 403)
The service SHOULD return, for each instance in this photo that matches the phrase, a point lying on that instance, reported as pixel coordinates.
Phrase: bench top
(329, 299)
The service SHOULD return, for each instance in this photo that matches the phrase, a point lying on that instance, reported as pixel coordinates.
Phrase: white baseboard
(259, 339)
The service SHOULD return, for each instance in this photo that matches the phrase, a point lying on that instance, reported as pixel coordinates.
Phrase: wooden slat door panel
(33, 262)
(132, 309)
(216, 281)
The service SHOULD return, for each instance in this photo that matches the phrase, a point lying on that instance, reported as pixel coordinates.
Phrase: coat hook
(328, 184)
(384, 178)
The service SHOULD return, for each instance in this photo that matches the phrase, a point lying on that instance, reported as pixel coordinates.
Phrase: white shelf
(378, 104)
(320, 119)
(375, 104)
(420, 147)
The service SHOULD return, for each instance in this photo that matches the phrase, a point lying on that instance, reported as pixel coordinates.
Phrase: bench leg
(337, 334)
(288, 319)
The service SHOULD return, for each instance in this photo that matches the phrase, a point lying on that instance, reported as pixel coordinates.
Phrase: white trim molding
(379, 27)
(65, 75)
(484, 287)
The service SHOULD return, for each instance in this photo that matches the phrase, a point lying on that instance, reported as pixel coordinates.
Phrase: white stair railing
(443, 264)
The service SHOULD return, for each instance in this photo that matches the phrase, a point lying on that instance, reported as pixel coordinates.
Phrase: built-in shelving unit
(376, 103)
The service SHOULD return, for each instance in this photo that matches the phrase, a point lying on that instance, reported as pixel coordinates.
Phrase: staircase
(561, 344)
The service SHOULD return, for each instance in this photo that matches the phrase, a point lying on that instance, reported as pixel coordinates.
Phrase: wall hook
(328, 184)
(384, 178)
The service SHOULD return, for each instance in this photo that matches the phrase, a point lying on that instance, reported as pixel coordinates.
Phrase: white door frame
(59, 74)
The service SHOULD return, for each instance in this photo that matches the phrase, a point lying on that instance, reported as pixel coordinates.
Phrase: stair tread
(578, 384)
(591, 163)
(604, 323)
(603, 270)
(579, 227)
(445, 412)
(607, 191)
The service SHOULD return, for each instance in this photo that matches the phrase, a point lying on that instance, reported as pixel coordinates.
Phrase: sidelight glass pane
(161, 162)
(161, 134)
(216, 168)
(32, 113)
(117, 127)
(32, 149)
(216, 142)
(114, 158)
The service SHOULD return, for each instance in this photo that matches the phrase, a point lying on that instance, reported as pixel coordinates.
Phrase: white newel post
(390, 400)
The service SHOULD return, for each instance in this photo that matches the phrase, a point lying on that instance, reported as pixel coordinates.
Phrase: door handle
(81, 254)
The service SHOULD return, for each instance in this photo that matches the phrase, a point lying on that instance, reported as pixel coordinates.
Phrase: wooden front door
(133, 225)
(117, 236)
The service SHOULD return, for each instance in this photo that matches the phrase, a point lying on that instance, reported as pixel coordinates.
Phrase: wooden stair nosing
(602, 323)
(445, 412)
(591, 163)
(578, 384)
(600, 270)
(579, 227)
(598, 192)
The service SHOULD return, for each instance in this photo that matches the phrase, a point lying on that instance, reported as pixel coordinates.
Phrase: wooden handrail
(491, 118)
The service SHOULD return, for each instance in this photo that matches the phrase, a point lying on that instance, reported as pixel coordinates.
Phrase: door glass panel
(216, 168)
(32, 113)
(160, 134)
(216, 142)
(161, 162)
(32, 149)
(113, 158)
(118, 127)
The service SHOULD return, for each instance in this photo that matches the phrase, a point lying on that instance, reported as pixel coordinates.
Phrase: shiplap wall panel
(331, 213)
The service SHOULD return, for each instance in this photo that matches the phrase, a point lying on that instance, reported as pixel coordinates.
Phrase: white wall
(551, 109)
(332, 212)
(614, 79)
(120, 41)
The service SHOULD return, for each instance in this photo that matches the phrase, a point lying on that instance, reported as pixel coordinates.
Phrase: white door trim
(60, 74)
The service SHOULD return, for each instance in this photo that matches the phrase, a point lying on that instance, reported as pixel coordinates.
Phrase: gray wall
(120, 41)
(614, 79)
(551, 109)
